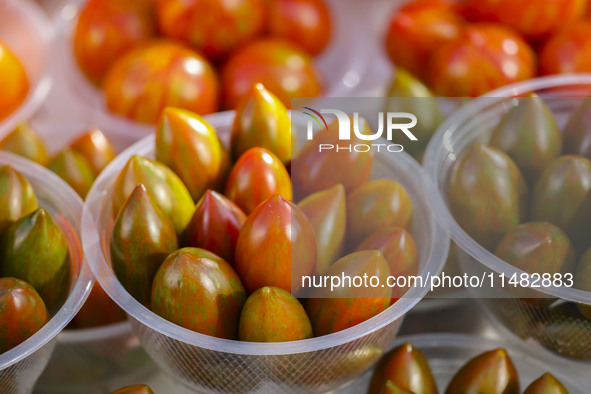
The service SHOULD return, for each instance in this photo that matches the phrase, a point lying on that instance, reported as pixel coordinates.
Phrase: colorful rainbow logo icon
(315, 117)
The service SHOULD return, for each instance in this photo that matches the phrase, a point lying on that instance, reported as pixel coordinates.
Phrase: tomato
(483, 58)
(200, 291)
(276, 239)
(98, 310)
(279, 65)
(567, 51)
(257, 175)
(533, 19)
(215, 225)
(13, 81)
(96, 148)
(22, 312)
(105, 30)
(215, 27)
(417, 30)
(304, 22)
(159, 74)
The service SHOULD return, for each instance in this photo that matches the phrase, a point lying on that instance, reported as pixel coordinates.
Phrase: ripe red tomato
(14, 84)
(257, 176)
(279, 65)
(419, 28)
(216, 27)
(531, 18)
(567, 51)
(276, 239)
(106, 29)
(160, 74)
(304, 22)
(483, 58)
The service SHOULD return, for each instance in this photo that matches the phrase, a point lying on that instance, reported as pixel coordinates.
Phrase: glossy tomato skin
(279, 65)
(96, 148)
(276, 237)
(567, 51)
(483, 58)
(257, 175)
(215, 27)
(215, 226)
(13, 80)
(160, 74)
(22, 312)
(105, 30)
(306, 23)
(533, 19)
(417, 30)
(198, 290)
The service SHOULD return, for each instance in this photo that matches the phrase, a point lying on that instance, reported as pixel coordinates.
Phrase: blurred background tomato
(106, 29)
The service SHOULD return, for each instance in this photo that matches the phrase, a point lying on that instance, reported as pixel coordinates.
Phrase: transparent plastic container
(209, 364)
(86, 359)
(559, 332)
(447, 353)
(21, 366)
(25, 28)
(341, 65)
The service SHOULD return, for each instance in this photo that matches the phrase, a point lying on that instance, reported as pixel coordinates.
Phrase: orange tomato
(419, 28)
(160, 74)
(105, 30)
(304, 22)
(483, 58)
(215, 27)
(533, 19)
(98, 310)
(567, 51)
(279, 65)
(14, 84)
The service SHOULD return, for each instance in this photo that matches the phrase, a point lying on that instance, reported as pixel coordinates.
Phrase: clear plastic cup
(88, 358)
(446, 353)
(341, 64)
(207, 364)
(563, 334)
(21, 366)
(25, 28)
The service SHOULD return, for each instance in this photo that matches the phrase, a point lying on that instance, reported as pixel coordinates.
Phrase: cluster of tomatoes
(246, 241)
(200, 55)
(466, 48)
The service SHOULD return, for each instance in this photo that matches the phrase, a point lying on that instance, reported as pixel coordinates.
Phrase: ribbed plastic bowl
(341, 64)
(209, 364)
(447, 353)
(25, 28)
(85, 360)
(21, 366)
(565, 334)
